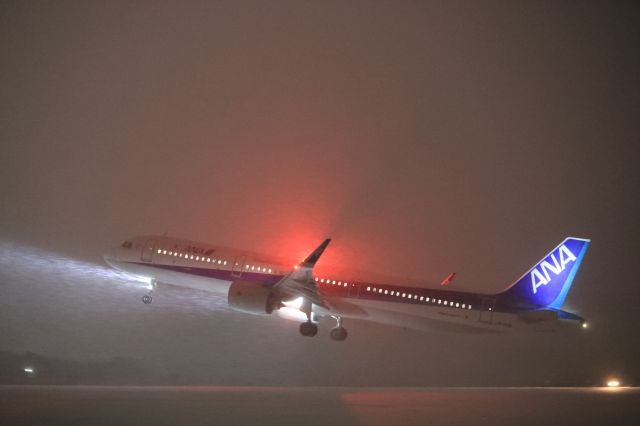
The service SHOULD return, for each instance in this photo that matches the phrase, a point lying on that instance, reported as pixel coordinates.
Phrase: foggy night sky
(423, 137)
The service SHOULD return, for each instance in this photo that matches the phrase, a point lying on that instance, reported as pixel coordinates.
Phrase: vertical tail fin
(549, 281)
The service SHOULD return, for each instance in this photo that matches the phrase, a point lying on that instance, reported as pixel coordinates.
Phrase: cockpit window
(127, 244)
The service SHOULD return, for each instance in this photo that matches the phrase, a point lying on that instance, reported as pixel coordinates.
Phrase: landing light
(295, 303)
(585, 325)
(291, 314)
(29, 370)
(140, 278)
(613, 383)
(291, 310)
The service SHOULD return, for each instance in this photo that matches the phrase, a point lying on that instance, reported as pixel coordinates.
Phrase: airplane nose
(110, 255)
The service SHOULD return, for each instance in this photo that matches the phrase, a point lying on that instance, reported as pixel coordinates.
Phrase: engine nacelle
(250, 297)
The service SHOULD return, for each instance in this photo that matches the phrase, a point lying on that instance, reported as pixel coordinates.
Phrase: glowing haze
(424, 138)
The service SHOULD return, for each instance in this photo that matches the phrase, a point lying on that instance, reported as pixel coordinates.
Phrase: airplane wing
(300, 282)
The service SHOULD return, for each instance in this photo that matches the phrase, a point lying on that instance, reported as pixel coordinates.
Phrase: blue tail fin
(549, 281)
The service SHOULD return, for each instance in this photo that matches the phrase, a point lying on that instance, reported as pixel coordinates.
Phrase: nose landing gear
(147, 298)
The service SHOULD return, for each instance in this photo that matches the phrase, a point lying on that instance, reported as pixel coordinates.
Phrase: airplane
(260, 284)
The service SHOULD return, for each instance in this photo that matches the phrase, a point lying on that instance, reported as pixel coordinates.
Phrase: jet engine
(251, 297)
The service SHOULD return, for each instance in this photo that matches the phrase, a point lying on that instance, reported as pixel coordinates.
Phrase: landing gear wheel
(308, 329)
(146, 299)
(338, 334)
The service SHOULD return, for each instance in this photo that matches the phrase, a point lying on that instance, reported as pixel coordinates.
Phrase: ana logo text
(540, 274)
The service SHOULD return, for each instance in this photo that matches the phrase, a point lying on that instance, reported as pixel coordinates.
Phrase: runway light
(613, 383)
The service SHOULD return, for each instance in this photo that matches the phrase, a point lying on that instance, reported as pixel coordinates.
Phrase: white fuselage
(211, 268)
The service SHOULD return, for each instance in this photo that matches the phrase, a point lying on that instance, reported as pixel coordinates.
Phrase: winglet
(312, 259)
(449, 279)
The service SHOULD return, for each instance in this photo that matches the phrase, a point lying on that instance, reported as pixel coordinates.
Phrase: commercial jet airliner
(258, 284)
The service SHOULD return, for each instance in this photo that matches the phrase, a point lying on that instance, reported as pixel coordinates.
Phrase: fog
(423, 137)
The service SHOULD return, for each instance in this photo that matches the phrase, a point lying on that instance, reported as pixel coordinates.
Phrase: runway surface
(91, 405)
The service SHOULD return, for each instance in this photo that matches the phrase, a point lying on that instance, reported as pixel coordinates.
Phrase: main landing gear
(147, 298)
(308, 328)
(338, 333)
